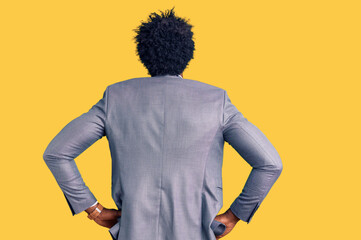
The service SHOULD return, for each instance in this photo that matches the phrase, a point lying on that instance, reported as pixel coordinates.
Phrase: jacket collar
(169, 75)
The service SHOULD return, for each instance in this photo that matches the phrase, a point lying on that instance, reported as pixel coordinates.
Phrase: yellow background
(291, 67)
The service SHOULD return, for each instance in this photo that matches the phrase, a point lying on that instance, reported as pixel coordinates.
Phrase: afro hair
(164, 43)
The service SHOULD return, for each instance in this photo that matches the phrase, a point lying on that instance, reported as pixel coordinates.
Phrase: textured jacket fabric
(166, 136)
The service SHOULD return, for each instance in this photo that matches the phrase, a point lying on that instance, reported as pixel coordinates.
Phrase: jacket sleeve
(71, 141)
(258, 152)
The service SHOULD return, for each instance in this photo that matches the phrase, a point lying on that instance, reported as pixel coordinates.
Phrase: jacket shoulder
(203, 84)
(123, 82)
(133, 82)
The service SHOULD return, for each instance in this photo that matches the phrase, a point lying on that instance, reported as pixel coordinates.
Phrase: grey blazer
(166, 136)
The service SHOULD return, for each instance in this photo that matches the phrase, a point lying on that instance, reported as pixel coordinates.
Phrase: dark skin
(229, 219)
(109, 217)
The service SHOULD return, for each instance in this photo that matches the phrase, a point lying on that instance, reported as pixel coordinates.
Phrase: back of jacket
(166, 136)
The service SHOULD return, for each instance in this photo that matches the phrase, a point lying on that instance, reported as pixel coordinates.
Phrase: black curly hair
(164, 43)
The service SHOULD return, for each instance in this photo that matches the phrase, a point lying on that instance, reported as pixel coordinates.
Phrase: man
(166, 136)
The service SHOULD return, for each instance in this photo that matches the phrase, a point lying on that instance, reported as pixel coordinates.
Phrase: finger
(106, 215)
(109, 214)
(105, 223)
(115, 213)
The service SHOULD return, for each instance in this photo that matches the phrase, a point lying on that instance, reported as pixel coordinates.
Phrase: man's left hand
(107, 218)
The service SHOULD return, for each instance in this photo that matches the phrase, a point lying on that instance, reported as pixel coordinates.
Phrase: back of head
(165, 43)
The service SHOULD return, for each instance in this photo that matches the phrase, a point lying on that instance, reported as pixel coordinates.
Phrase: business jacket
(166, 136)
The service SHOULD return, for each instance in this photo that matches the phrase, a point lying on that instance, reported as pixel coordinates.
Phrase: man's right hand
(229, 219)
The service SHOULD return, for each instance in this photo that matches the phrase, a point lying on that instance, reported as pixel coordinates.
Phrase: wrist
(92, 208)
(231, 216)
(93, 214)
